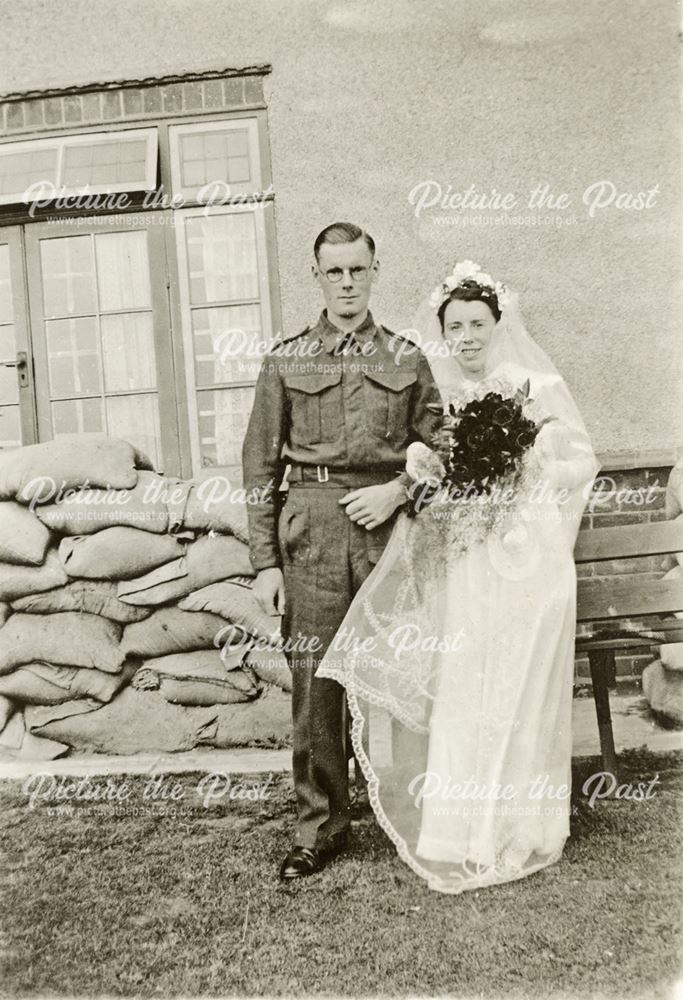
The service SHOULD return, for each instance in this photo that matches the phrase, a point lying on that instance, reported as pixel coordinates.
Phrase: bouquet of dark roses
(479, 450)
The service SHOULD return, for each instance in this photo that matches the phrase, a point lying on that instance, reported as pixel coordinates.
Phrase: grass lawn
(189, 904)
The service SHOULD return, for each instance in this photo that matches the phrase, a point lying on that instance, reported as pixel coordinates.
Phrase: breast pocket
(388, 403)
(316, 407)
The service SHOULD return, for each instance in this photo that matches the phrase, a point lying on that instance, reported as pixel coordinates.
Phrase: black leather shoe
(300, 862)
(334, 846)
(303, 861)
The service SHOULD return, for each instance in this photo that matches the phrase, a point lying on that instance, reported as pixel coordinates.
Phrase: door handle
(21, 365)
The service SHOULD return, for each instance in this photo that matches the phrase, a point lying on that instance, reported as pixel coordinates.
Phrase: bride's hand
(371, 506)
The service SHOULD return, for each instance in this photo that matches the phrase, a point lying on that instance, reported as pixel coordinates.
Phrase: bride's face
(467, 328)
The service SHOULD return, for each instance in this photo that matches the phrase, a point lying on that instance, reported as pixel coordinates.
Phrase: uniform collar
(331, 335)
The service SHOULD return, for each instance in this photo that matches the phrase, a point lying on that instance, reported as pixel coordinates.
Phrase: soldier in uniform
(339, 403)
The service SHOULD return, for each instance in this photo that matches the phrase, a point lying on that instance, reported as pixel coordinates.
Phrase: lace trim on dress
(471, 875)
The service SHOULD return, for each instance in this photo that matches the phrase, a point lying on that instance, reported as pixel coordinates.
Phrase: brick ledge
(612, 461)
(258, 69)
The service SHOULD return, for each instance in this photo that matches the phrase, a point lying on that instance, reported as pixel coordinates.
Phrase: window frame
(13, 237)
(62, 142)
(186, 308)
(179, 460)
(177, 131)
(165, 387)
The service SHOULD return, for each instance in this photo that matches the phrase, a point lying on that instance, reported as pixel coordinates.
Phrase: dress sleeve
(565, 456)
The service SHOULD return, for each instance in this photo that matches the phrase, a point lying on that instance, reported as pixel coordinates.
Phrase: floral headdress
(464, 273)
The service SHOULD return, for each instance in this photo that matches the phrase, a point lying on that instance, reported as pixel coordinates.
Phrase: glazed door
(17, 423)
(101, 333)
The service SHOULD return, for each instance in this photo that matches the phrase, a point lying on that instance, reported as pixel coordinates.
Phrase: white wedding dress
(458, 668)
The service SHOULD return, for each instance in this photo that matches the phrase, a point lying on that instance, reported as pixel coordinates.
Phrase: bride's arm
(424, 471)
(565, 455)
(423, 463)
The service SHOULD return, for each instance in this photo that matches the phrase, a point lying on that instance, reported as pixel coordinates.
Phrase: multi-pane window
(112, 164)
(216, 158)
(117, 348)
(224, 286)
(97, 311)
(97, 162)
(21, 167)
(226, 315)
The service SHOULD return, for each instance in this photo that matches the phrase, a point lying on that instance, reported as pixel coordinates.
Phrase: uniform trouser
(325, 559)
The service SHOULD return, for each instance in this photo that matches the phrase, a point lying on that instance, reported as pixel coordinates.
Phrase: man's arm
(372, 505)
(426, 410)
(263, 467)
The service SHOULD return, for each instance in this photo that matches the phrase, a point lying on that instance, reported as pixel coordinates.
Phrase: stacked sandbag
(243, 618)
(17, 581)
(24, 540)
(42, 473)
(98, 597)
(59, 640)
(142, 721)
(208, 559)
(117, 582)
(117, 553)
(18, 743)
(74, 638)
(206, 677)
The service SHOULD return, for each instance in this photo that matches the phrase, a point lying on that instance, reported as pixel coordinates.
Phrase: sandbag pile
(118, 583)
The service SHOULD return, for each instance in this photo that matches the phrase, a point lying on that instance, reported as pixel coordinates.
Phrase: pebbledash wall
(384, 113)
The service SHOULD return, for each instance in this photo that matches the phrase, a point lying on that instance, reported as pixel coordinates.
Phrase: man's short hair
(342, 232)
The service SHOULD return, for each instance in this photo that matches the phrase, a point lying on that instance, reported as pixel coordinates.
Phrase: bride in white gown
(457, 653)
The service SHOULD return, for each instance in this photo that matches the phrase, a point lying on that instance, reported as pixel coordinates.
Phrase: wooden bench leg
(602, 670)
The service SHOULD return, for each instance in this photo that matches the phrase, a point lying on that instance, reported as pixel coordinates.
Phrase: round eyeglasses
(335, 274)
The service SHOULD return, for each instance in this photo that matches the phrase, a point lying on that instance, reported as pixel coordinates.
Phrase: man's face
(346, 272)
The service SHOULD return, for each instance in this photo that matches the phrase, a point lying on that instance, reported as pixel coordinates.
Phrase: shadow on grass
(120, 898)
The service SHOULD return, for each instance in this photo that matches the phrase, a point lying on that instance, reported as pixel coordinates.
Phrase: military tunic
(340, 409)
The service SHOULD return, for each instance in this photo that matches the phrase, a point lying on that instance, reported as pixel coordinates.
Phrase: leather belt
(325, 475)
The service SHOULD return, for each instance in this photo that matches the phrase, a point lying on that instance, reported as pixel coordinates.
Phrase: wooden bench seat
(621, 612)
